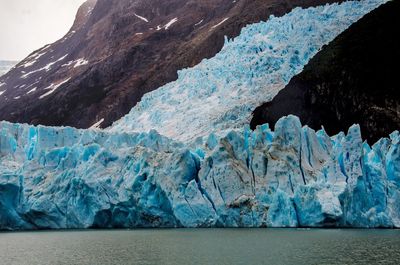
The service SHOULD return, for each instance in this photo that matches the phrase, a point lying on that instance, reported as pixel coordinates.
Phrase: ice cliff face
(220, 93)
(68, 178)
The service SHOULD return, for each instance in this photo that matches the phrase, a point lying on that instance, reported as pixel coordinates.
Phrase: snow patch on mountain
(35, 56)
(81, 62)
(198, 23)
(53, 87)
(220, 23)
(142, 18)
(45, 68)
(31, 91)
(97, 124)
(169, 24)
(49, 65)
(29, 63)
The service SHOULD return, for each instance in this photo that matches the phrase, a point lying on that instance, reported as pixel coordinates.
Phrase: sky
(26, 25)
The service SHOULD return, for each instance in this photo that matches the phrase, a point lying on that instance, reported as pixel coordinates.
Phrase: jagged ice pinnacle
(68, 178)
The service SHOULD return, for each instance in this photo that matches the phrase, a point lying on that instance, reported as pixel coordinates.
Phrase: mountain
(118, 50)
(5, 66)
(352, 80)
(293, 176)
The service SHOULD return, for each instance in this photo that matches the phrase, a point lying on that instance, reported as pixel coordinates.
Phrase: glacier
(185, 156)
(220, 93)
(291, 177)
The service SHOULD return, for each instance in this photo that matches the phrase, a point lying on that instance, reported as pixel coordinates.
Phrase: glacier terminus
(186, 157)
(294, 176)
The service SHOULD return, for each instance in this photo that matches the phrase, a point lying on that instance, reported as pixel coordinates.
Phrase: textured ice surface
(220, 93)
(68, 178)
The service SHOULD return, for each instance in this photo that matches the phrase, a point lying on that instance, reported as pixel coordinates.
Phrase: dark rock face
(118, 50)
(352, 80)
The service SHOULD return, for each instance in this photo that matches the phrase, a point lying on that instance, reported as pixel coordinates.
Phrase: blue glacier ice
(184, 157)
(290, 177)
(220, 93)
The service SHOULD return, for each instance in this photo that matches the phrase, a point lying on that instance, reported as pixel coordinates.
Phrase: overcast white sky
(26, 25)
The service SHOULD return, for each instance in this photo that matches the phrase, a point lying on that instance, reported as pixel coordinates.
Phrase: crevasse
(220, 93)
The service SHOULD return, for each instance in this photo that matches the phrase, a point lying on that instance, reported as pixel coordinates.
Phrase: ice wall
(68, 178)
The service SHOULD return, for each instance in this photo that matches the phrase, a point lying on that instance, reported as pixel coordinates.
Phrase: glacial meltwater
(202, 246)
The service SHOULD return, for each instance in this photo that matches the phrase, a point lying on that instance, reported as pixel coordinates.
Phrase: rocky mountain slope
(354, 79)
(117, 51)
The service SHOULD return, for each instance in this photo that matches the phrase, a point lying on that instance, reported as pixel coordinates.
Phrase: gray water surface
(202, 246)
